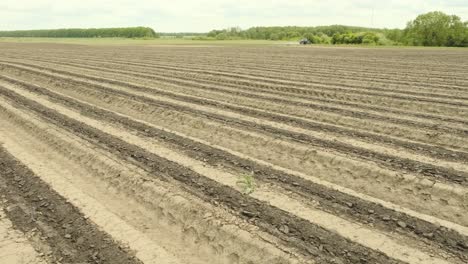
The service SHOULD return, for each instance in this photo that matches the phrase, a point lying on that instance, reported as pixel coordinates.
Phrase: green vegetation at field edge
(144, 41)
(128, 32)
(430, 29)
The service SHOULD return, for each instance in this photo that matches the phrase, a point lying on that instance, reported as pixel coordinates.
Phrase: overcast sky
(204, 15)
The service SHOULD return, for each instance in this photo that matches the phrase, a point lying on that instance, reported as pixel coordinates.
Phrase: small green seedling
(247, 183)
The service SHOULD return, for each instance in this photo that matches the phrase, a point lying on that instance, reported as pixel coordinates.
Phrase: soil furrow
(255, 74)
(35, 207)
(235, 154)
(165, 216)
(295, 81)
(439, 192)
(431, 151)
(355, 113)
(303, 234)
(214, 86)
(325, 87)
(361, 210)
(275, 198)
(383, 159)
(331, 101)
(428, 150)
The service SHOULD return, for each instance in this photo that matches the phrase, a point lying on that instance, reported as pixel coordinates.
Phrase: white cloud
(204, 15)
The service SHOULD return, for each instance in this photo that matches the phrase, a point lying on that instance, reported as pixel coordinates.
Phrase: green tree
(370, 38)
(395, 35)
(436, 29)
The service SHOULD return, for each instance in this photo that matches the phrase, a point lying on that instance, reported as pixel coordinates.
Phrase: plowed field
(241, 154)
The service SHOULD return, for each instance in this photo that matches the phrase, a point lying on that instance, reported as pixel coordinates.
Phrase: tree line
(321, 34)
(431, 29)
(128, 32)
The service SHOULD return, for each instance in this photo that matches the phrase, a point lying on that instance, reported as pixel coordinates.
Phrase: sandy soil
(357, 155)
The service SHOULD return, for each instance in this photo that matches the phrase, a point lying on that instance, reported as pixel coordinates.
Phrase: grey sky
(204, 15)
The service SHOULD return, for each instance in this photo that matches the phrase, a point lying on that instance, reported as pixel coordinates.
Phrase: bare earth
(134, 154)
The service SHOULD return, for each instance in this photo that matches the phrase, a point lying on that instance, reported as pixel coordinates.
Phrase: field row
(334, 182)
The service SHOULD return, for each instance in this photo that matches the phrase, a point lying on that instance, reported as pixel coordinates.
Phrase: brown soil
(331, 199)
(34, 207)
(356, 160)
